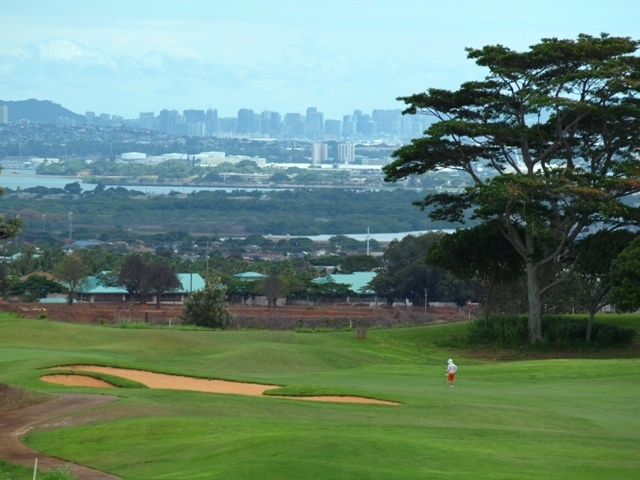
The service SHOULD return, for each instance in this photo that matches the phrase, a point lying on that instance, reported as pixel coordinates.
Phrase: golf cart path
(17, 422)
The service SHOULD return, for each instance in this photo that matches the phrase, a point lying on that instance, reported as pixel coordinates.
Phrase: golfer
(451, 371)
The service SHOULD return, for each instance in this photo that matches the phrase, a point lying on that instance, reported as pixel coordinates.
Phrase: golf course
(509, 416)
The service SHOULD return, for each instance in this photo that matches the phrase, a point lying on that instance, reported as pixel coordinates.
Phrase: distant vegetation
(299, 212)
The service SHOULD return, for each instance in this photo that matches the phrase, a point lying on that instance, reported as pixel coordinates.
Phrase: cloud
(308, 74)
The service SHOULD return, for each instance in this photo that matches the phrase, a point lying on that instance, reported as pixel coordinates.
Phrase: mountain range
(41, 111)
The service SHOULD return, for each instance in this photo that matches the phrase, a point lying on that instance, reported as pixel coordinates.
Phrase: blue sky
(123, 57)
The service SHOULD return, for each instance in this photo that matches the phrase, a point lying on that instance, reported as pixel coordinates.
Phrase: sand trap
(76, 381)
(178, 382)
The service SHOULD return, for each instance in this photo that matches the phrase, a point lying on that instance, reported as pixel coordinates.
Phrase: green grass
(552, 419)
(11, 471)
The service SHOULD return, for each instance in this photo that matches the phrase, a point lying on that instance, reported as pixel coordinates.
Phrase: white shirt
(451, 368)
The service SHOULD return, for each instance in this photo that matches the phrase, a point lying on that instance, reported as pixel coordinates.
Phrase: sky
(125, 57)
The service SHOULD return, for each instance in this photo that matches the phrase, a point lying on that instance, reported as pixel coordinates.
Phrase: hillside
(41, 111)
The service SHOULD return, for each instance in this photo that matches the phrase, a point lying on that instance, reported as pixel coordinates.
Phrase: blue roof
(250, 276)
(191, 282)
(357, 281)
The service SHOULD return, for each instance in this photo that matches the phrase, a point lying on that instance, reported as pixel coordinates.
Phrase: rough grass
(11, 471)
(552, 419)
(12, 398)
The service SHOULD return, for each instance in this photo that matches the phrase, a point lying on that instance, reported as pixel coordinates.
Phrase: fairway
(552, 419)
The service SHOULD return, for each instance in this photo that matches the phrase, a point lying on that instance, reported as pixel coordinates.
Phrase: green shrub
(129, 323)
(511, 330)
(58, 474)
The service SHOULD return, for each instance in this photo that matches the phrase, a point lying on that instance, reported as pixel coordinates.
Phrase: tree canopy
(556, 128)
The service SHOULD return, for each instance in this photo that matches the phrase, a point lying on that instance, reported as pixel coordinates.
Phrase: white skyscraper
(318, 153)
(4, 114)
(346, 153)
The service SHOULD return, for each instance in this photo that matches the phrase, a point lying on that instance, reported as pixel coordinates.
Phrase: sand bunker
(178, 382)
(76, 381)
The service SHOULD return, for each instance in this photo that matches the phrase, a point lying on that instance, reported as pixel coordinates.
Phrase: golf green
(552, 419)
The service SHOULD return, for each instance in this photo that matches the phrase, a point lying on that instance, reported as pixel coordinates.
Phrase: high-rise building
(314, 123)
(293, 125)
(387, 121)
(333, 127)
(245, 121)
(146, 120)
(211, 121)
(270, 123)
(90, 117)
(349, 125)
(4, 114)
(227, 125)
(193, 116)
(167, 120)
(318, 153)
(346, 153)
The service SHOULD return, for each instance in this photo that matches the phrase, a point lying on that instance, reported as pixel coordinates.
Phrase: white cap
(449, 361)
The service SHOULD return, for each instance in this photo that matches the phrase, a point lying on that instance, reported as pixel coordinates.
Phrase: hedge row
(511, 330)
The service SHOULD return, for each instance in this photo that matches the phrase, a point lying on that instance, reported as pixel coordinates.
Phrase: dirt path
(17, 422)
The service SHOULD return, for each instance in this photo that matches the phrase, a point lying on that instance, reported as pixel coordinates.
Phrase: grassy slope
(553, 419)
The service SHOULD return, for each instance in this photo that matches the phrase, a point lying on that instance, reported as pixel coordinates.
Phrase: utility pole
(207, 260)
(43, 223)
(426, 301)
(368, 236)
(70, 216)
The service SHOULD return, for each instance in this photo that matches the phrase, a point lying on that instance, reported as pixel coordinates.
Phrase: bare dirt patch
(76, 381)
(15, 423)
(177, 382)
(12, 398)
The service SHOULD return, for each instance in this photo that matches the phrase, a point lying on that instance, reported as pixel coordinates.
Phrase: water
(380, 237)
(22, 179)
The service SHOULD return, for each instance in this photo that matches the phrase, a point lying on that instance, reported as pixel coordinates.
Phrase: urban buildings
(346, 153)
(318, 153)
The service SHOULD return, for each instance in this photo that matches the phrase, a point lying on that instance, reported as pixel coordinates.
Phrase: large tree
(161, 278)
(482, 258)
(591, 279)
(133, 276)
(556, 127)
(73, 272)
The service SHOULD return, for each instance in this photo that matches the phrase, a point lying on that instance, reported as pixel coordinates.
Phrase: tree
(625, 278)
(556, 128)
(35, 287)
(207, 308)
(272, 288)
(133, 277)
(481, 257)
(73, 272)
(594, 256)
(359, 263)
(161, 278)
(404, 274)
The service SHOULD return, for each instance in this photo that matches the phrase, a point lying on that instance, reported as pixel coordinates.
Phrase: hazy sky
(123, 57)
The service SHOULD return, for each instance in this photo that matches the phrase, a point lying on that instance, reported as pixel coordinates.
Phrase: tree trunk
(592, 314)
(534, 326)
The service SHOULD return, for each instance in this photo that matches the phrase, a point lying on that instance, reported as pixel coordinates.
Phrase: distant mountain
(41, 111)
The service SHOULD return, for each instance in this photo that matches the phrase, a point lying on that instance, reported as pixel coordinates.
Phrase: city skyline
(284, 55)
